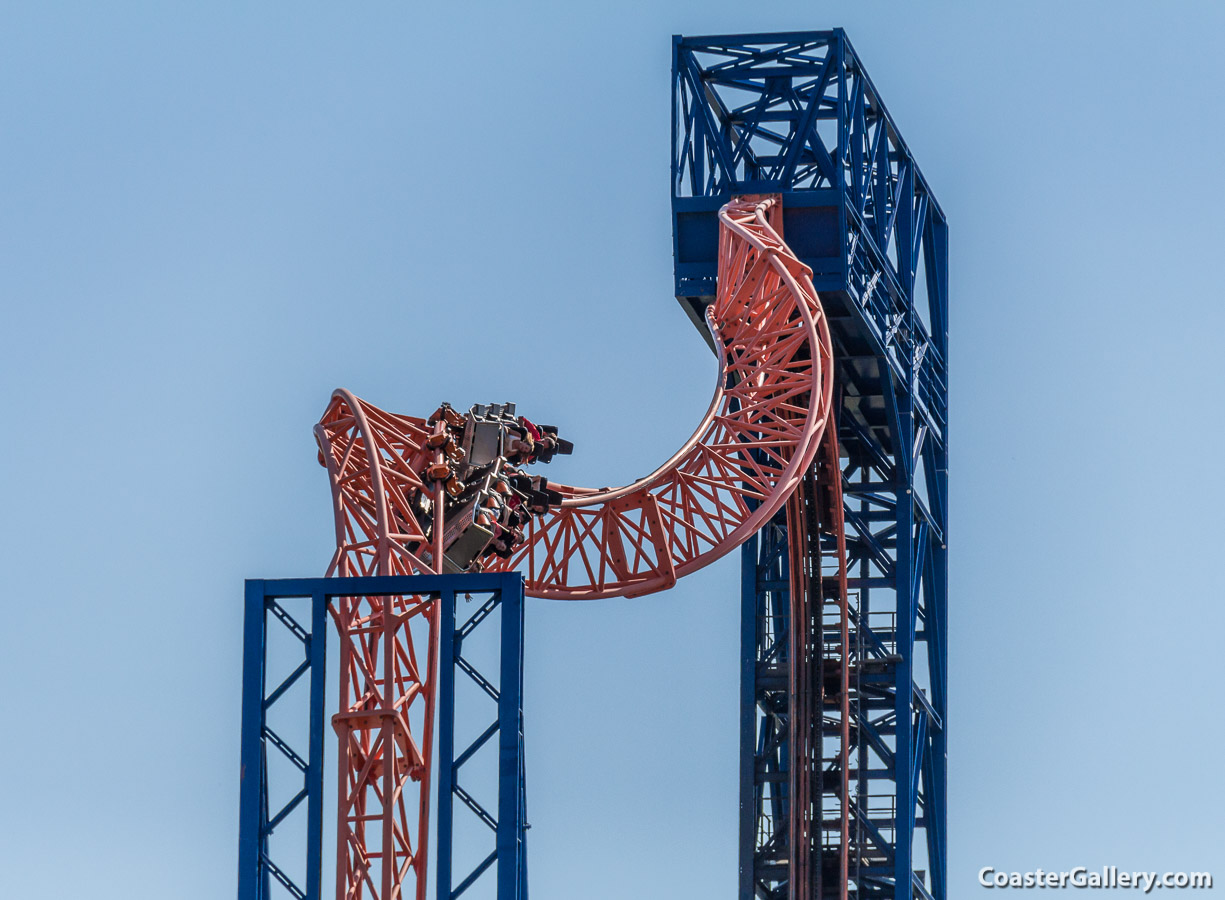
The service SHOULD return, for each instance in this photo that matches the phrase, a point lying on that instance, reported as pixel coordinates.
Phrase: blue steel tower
(796, 115)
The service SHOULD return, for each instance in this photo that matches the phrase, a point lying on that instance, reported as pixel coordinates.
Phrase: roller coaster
(813, 257)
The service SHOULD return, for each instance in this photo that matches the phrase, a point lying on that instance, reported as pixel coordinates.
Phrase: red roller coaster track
(749, 455)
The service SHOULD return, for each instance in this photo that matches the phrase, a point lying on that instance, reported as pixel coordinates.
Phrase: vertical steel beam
(512, 817)
(316, 649)
(443, 876)
(937, 811)
(766, 767)
(904, 761)
(509, 819)
(251, 773)
(748, 713)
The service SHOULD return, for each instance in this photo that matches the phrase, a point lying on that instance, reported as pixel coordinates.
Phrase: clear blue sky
(213, 214)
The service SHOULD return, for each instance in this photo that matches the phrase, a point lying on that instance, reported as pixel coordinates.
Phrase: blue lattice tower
(281, 805)
(796, 115)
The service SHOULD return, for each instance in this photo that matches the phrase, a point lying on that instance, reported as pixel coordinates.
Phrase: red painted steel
(748, 455)
(818, 765)
(803, 704)
(385, 726)
(820, 680)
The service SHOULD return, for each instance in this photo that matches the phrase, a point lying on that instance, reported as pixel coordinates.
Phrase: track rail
(387, 691)
(746, 458)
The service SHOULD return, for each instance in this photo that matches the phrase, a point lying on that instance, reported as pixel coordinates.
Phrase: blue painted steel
(765, 688)
(796, 114)
(258, 865)
(251, 766)
(508, 856)
(443, 877)
(512, 789)
(314, 775)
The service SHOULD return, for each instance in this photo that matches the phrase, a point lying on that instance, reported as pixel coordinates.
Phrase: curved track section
(746, 457)
(375, 521)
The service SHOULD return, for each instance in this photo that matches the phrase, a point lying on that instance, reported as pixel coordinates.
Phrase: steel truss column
(795, 727)
(765, 841)
(382, 828)
(826, 557)
(508, 857)
(796, 115)
(295, 773)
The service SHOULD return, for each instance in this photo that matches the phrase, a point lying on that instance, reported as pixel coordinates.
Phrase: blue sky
(215, 214)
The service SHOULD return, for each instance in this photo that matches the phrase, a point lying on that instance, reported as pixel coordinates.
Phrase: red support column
(383, 808)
